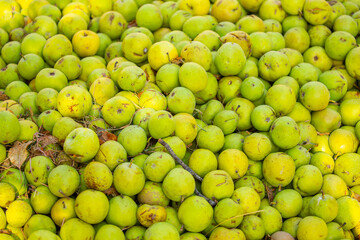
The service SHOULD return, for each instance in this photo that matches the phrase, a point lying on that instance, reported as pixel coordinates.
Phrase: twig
(187, 168)
(211, 202)
(234, 217)
(179, 161)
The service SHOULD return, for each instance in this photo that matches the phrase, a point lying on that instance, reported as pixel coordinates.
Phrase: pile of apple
(179, 120)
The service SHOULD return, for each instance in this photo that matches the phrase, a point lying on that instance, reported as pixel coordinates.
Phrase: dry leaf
(6, 231)
(132, 24)
(106, 136)
(42, 140)
(19, 153)
(217, 76)
(178, 61)
(111, 192)
(5, 164)
(47, 139)
(3, 96)
(356, 196)
(270, 193)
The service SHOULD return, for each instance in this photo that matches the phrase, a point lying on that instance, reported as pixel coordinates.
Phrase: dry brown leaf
(3, 96)
(270, 192)
(178, 61)
(19, 153)
(42, 140)
(356, 196)
(105, 136)
(217, 76)
(5, 231)
(111, 192)
(5, 164)
(47, 139)
(268, 237)
(132, 24)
